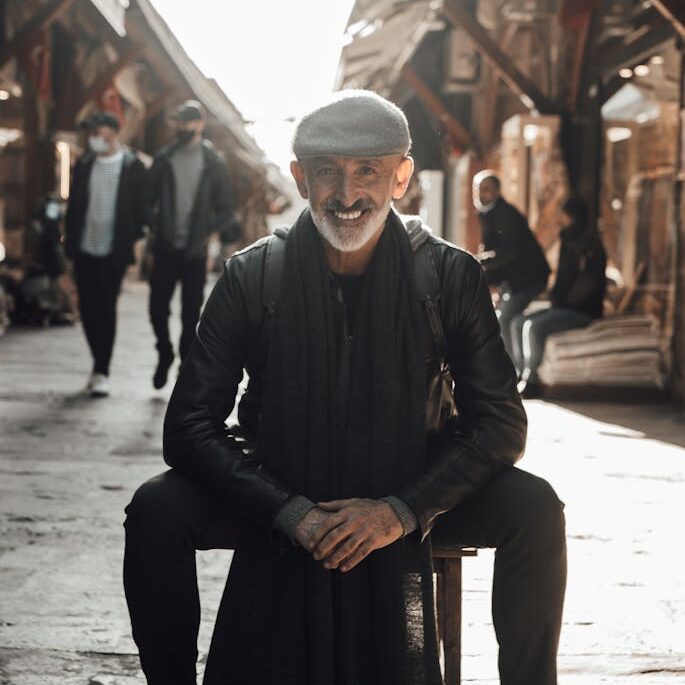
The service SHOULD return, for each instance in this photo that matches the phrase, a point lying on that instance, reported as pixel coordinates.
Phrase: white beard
(349, 238)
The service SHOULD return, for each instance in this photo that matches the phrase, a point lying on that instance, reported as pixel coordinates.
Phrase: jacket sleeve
(495, 242)
(567, 273)
(222, 207)
(196, 441)
(491, 432)
(142, 201)
(71, 219)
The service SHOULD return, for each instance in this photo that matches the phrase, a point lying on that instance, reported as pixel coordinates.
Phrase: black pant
(167, 270)
(98, 281)
(517, 513)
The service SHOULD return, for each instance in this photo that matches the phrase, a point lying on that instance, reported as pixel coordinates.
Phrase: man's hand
(351, 530)
(306, 531)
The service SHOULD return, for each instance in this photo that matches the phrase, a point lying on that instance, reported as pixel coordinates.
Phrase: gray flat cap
(353, 123)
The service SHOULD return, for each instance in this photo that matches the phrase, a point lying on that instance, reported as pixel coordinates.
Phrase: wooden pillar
(40, 154)
(678, 345)
(42, 19)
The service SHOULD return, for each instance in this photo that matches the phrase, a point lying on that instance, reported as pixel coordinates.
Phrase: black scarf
(288, 621)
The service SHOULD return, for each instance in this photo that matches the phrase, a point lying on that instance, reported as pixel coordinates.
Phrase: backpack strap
(273, 268)
(428, 286)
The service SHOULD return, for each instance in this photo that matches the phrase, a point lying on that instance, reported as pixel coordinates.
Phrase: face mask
(52, 211)
(184, 137)
(98, 145)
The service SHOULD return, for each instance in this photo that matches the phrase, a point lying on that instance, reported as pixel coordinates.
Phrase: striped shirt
(98, 235)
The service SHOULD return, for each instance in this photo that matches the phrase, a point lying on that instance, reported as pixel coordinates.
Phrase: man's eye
(367, 170)
(325, 171)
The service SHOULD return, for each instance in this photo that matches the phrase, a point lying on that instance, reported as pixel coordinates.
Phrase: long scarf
(285, 619)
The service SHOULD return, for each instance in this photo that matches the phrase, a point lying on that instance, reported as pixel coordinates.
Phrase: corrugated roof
(374, 60)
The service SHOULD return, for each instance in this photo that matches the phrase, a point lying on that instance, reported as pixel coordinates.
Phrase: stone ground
(69, 464)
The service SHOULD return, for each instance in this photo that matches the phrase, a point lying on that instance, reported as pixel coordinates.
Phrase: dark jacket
(131, 207)
(211, 210)
(581, 282)
(489, 434)
(518, 260)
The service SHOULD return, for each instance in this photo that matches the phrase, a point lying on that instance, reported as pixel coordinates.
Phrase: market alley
(69, 465)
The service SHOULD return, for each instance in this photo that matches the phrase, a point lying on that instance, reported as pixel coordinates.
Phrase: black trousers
(517, 513)
(98, 281)
(167, 270)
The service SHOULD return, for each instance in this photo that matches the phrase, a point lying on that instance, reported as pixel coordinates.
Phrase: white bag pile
(621, 351)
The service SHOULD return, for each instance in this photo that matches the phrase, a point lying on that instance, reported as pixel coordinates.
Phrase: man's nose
(347, 190)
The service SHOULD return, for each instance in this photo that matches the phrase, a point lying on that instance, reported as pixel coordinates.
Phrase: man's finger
(319, 531)
(342, 552)
(334, 505)
(361, 553)
(332, 540)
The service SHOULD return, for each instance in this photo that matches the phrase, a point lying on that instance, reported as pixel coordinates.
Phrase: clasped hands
(342, 533)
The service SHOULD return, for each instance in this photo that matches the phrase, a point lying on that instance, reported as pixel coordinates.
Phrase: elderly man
(342, 476)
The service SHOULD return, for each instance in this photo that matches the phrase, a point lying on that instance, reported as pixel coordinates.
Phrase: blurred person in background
(190, 198)
(511, 256)
(577, 296)
(105, 216)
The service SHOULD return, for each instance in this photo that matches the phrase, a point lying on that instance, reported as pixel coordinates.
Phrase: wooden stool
(447, 565)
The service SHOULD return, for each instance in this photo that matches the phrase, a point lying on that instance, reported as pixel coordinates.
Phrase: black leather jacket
(212, 210)
(489, 434)
(131, 207)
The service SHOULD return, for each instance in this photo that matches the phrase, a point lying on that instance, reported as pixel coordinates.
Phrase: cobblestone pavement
(69, 464)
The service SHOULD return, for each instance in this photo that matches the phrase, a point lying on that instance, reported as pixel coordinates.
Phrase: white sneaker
(99, 385)
(89, 384)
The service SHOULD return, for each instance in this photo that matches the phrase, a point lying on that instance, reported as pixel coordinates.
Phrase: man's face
(196, 126)
(350, 197)
(108, 134)
(484, 193)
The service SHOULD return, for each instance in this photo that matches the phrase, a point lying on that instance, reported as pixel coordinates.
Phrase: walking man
(347, 467)
(190, 201)
(105, 216)
(513, 260)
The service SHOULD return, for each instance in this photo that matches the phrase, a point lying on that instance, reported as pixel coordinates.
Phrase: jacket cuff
(291, 513)
(406, 516)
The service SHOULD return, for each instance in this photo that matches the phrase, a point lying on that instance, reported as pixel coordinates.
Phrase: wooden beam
(579, 52)
(453, 126)
(102, 80)
(488, 117)
(156, 106)
(638, 51)
(46, 16)
(527, 91)
(674, 11)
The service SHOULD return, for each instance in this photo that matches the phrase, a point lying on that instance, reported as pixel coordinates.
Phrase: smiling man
(347, 464)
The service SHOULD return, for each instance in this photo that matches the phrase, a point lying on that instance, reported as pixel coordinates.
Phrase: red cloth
(110, 102)
(34, 59)
(575, 14)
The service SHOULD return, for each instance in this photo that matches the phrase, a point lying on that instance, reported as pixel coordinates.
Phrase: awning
(114, 11)
(374, 60)
(205, 90)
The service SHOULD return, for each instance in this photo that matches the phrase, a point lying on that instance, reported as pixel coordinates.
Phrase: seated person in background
(511, 256)
(577, 295)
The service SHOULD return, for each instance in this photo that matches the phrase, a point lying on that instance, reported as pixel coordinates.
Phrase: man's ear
(403, 175)
(297, 170)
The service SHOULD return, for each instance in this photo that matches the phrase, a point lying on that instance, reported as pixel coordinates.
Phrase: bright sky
(273, 58)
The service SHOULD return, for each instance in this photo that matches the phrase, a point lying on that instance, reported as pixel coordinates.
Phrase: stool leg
(451, 604)
(439, 568)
